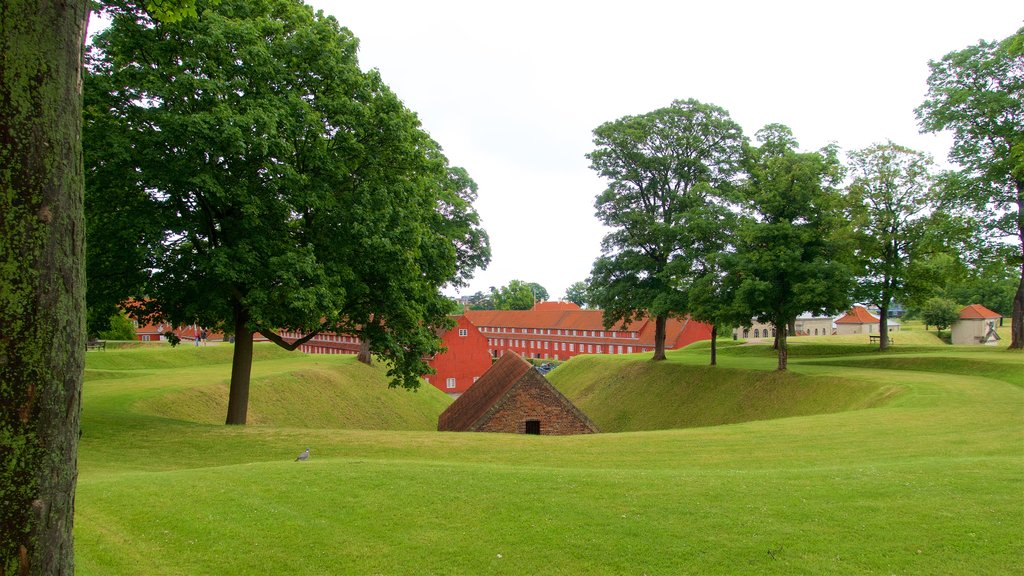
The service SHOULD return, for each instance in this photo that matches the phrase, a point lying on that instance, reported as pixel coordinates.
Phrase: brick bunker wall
(529, 401)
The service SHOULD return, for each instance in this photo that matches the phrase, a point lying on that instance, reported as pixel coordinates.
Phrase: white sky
(513, 90)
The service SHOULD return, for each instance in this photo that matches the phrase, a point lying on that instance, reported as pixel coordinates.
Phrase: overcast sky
(512, 91)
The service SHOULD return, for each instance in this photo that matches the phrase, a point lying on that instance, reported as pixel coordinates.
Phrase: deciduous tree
(669, 176)
(892, 188)
(791, 253)
(577, 293)
(293, 191)
(977, 93)
(516, 295)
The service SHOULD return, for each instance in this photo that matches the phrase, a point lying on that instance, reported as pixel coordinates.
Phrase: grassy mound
(928, 483)
(623, 394)
(288, 389)
(339, 394)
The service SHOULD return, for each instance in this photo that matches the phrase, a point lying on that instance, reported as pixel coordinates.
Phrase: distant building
(859, 321)
(561, 330)
(976, 325)
(514, 398)
(809, 325)
(464, 360)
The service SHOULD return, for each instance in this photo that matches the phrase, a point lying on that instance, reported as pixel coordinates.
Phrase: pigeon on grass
(303, 456)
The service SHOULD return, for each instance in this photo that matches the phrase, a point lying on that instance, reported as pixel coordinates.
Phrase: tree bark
(42, 310)
(1017, 321)
(659, 337)
(714, 342)
(364, 355)
(783, 350)
(883, 326)
(241, 368)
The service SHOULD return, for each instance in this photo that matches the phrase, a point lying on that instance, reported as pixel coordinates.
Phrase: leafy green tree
(976, 93)
(120, 327)
(940, 312)
(540, 293)
(293, 191)
(892, 186)
(712, 300)
(516, 295)
(481, 301)
(577, 293)
(669, 176)
(791, 255)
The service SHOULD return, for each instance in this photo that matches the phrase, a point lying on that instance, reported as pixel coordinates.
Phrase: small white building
(814, 325)
(977, 325)
(859, 321)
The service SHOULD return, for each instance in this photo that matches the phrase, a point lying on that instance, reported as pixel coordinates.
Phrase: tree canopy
(977, 94)
(291, 190)
(892, 190)
(669, 173)
(516, 295)
(791, 254)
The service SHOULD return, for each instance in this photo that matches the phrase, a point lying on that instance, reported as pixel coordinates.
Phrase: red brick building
(513, 397)
(561, 330)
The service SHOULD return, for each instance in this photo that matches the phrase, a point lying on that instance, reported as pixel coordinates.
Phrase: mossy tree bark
(42, 305)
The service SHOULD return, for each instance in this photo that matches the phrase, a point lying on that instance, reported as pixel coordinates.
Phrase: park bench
(95, 345)
(873, 338)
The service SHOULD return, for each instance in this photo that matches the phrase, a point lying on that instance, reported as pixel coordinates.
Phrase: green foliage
(792, 249)
(976, 93)
(670, 175)
(577, 293)
(940, 312)
(892, 190)
(540, 293)
(481, 301)
(290, 190)
(516, 295)
(120, 327)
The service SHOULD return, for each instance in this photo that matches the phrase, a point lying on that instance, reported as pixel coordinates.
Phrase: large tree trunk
(883, 326)
(241, 368)
(364, 355)
(783, 350)
(42, 311)
(659, 337)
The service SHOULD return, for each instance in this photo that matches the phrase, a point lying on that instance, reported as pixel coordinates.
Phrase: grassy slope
(929, 483)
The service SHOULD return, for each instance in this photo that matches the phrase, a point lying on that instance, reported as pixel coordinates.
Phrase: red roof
(976, 311)
(549, 305)
(482, 395)
(858, 315)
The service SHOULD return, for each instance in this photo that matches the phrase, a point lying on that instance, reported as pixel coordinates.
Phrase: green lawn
(908, 462)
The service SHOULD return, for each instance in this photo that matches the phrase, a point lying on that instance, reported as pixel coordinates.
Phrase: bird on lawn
(303, 456)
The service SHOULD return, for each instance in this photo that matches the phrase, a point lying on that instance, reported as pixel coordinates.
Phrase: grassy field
(908, 462)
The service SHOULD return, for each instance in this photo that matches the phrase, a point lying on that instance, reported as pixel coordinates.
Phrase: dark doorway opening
(533, 427)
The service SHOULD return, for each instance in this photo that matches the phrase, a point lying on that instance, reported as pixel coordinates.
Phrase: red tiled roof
(975, 311)
(579, 320)
(549, 305)
(482, 395)
(557, 319)
(858, 315)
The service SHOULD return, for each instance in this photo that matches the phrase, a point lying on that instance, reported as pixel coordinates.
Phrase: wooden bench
(95, 345)
(872, 338)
